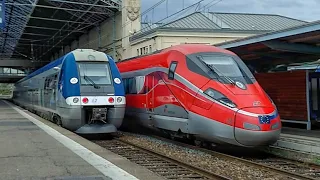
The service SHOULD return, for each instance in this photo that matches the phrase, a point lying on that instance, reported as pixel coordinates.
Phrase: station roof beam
(35, 29)
(292, 45)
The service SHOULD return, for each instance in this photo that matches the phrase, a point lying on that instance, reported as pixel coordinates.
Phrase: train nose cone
(256, 130)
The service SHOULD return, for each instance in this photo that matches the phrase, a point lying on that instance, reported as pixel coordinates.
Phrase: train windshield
(227, 68)
(94, 74)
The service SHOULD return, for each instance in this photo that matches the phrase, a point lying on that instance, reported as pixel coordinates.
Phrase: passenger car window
(130, 85)
(172, 69)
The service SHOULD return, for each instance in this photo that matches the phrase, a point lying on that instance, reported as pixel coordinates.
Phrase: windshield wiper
(214, 69)
(91, 81)
(226, 77)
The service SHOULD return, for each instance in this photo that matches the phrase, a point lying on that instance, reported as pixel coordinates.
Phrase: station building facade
(206, 28)
(125, 36)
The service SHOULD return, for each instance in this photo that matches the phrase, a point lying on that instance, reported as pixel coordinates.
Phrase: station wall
(288, 91)
(161, 40)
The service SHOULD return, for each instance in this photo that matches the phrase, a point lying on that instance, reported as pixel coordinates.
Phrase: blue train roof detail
(119, 89)
(69, 69)
(44, 68)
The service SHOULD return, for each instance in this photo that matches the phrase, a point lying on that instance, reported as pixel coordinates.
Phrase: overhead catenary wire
(146, 11)
(188, 7)
(204, 7)
(214, 4)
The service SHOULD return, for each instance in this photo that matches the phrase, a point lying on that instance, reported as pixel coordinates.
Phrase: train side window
(54, 79)
(172, 69)
(47, 82)
(126, 87)
(132, 86)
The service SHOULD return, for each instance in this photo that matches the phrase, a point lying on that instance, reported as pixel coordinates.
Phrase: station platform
(298, 144)
(34, 148)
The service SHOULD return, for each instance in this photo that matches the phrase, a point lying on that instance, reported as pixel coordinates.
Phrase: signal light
(111, 100)
(85, 100)
(119, 99)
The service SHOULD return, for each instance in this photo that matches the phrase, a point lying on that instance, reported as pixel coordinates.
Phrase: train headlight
(111, 100)
(85, 100)
(75, 100)
(119, 99)
(220, 97)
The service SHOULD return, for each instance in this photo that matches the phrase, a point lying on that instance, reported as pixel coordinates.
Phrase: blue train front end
(90, 94)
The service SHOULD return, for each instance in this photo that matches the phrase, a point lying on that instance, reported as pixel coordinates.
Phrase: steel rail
(230, 157)
(125, 152)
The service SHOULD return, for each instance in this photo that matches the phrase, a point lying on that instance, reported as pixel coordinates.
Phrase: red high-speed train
(200, 92)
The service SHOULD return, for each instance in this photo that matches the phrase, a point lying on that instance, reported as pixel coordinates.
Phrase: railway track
(289, 168)
(156, 162)
(310, 171)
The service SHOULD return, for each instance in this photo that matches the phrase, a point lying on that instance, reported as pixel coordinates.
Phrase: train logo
(74, 80)
(256, 103)
(117, 80)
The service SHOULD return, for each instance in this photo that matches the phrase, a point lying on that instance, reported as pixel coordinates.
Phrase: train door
(150, 95)
(30, 94)
(46, 93)
(41, 97)
(53, 89)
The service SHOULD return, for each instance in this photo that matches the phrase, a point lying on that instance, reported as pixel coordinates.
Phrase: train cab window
(94, 73)
(226, 66)
(220, 67)
(172, 69)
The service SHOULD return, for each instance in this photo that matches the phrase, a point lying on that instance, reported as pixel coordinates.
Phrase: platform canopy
(266, 51)
(35, 29)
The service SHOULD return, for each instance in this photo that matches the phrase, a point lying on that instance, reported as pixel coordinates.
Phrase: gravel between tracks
(225, 167)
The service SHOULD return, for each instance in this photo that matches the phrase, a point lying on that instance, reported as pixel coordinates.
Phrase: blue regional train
(81, 91)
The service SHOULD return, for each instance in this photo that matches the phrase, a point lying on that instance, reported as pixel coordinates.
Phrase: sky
(307, 10)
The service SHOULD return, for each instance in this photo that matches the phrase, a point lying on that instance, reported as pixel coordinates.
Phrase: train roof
(58, 61)
(43, 69)
(185, 49)
(196, 48)
(158, 58)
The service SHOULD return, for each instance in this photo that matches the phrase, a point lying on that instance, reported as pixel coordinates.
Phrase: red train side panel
(200, 91)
